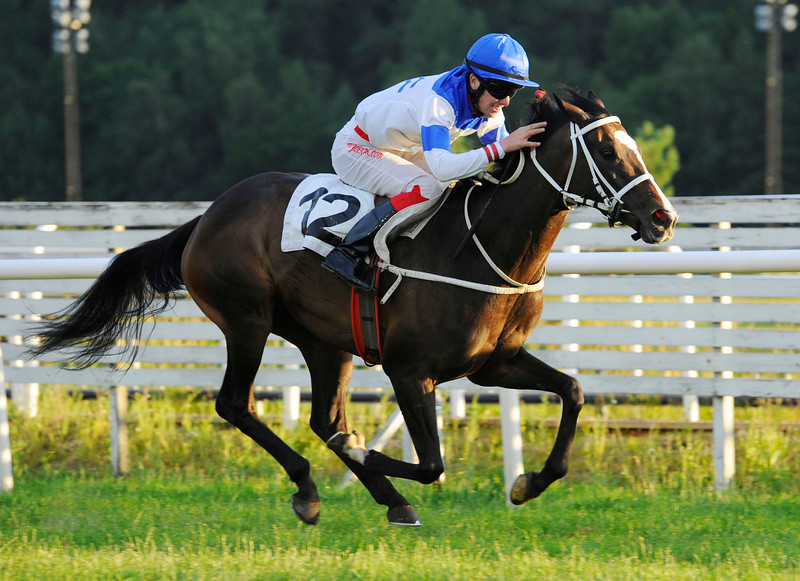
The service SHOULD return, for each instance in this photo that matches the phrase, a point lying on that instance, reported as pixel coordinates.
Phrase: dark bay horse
(230, 261)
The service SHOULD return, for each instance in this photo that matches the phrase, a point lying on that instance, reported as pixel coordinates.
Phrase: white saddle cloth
(323, 209)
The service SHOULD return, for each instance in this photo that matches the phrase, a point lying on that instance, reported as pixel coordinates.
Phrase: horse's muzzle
(656, 228)
(661, 226)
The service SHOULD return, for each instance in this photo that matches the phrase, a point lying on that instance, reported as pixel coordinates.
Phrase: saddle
(323, 209)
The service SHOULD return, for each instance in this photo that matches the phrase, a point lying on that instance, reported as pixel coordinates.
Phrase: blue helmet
(499, 57)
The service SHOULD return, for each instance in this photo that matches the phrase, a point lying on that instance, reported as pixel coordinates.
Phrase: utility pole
(72, 130)
(773, 18)
(71, 37)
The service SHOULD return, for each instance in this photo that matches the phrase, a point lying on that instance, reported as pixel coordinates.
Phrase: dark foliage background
(182, 98)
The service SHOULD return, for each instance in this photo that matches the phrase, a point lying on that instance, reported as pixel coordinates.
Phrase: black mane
(544, 107)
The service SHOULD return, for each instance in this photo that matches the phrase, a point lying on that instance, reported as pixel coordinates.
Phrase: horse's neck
(525, 229)
(517, 232)
(540, 205)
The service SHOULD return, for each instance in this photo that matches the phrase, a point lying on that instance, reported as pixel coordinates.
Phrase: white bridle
(611, 203)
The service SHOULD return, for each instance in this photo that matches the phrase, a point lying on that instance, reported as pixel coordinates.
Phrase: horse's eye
(608, 153)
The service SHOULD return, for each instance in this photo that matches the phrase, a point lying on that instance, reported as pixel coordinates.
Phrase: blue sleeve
(494, 135)
(435, 137)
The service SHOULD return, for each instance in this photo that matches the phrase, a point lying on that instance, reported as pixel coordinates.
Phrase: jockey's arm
(448, 166)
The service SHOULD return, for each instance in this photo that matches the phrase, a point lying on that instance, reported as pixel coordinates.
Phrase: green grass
(203, 502)
(227, 528)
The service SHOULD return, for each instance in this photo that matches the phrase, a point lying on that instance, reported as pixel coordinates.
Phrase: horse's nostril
(662, 218)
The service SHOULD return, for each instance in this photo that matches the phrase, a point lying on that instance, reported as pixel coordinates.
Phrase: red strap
(370, 350)
(355, 320)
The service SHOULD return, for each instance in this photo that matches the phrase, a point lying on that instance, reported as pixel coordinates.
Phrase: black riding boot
(348, 259)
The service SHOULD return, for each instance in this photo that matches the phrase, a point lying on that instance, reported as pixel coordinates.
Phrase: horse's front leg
(524, 371)
(417, 401)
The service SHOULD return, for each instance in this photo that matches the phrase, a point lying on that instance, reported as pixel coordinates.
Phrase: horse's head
(604, 170)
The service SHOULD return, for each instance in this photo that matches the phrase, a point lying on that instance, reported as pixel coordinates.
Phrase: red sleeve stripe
(491, 152)
(361, 133)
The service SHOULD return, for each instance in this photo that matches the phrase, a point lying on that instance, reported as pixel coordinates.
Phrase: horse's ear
(596, 99)
(574, 113)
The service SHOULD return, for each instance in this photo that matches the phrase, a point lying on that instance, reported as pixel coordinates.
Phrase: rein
(497, 183)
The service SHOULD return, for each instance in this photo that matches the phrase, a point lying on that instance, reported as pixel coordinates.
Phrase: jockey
(398, 142)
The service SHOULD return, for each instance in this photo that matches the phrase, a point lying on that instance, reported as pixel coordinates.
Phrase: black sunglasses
(499, 89)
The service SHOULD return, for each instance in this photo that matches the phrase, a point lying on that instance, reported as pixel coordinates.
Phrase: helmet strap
(474, 95)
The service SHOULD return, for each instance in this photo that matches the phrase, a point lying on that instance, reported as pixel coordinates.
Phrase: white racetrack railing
(727, 329)
(697, 262)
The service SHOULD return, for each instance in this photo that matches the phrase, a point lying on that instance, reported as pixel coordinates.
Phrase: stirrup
(350, 269)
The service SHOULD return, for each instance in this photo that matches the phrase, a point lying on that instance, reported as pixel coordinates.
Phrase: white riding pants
(378, 171)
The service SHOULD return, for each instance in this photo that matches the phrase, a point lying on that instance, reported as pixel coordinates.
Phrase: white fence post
(511, 429)
(26, 397)
(6, 474)
(291, 404)
(691, 403)
(119, 430)
(458, 403)
(691, 408)
(440, 430)
(724, 437)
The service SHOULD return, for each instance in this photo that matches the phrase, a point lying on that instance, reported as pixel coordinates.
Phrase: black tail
(138, 283)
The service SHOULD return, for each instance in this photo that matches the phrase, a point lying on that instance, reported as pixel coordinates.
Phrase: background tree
(180, 99)
(658, 148)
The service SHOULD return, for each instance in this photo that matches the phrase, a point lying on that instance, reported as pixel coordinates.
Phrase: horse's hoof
(518, 494)
(403, 516)
(306, 510)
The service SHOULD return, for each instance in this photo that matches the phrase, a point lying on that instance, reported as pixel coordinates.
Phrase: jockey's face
(488, 105)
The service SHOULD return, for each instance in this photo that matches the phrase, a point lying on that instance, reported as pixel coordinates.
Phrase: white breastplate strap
(516, 288)
(484, 288)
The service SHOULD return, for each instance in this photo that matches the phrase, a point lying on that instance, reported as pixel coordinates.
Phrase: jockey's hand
(521, 137)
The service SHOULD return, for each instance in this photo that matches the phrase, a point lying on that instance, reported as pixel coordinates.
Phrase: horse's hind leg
(330, 370)
(246, 320)
(524, 371)
(234, 403)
